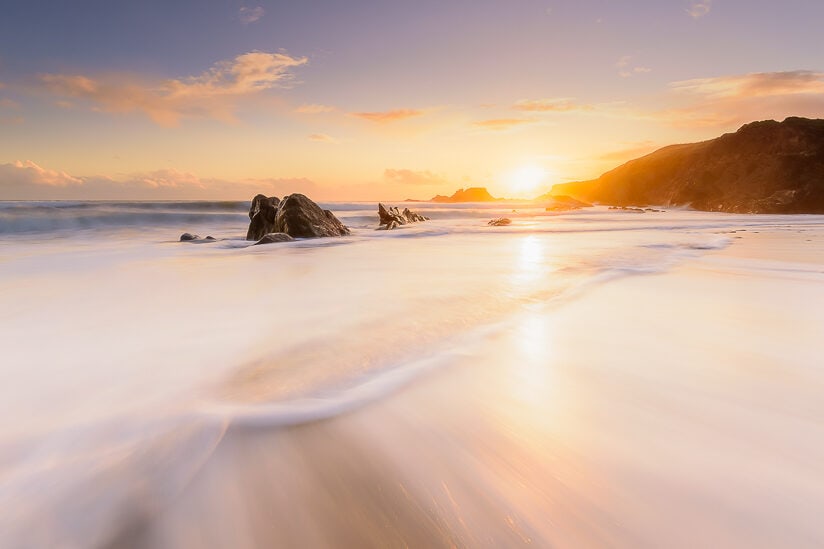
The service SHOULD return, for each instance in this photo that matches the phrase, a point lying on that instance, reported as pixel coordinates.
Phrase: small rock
(501, 221)
(186, 237)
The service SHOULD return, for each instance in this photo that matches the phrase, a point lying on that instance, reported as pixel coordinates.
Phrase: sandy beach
(675, 409)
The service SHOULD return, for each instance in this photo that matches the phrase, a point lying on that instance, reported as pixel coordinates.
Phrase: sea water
(127, 354)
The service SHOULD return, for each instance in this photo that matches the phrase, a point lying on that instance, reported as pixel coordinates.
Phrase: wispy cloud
(212, 94)
(563, 104)
(322, 137)
(314, 108)
(388, 116)
(630, 151)
(23, 180)
(250, 15)
(499, 124)
(755, 84)
(699, 9)
(627, 68)
(412, 177)
(29, 171)
(727, 101)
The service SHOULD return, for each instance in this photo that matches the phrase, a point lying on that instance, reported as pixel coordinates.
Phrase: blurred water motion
(580, 381)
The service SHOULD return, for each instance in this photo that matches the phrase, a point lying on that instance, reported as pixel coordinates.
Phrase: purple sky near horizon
(369, 99)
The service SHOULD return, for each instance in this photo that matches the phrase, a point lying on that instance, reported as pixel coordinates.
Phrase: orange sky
(381, 100)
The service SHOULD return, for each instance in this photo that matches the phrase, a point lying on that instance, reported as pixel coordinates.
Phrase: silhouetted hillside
(764, 167)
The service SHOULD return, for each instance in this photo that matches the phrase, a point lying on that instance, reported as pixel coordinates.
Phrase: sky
(369, 99)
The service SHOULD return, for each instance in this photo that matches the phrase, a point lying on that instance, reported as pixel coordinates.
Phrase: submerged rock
(392, 217)
(296, 215)
(262, 216)
(273, 238)
(628, 209)
(195, 239)
(501, 221)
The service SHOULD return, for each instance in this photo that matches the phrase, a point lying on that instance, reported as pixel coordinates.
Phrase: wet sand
(680, 409)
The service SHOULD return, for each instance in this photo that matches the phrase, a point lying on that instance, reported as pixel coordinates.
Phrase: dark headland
(764, 167)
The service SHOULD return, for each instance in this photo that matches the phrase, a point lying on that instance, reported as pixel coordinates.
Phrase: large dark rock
(274, 238)
(299, 217)
(262, 216)
(764, 167)
(392, 217)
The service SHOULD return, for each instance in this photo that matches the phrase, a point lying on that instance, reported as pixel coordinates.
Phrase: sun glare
(526, 179)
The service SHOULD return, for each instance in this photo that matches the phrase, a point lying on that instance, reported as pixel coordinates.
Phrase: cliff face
(472, 194)
(764, 167)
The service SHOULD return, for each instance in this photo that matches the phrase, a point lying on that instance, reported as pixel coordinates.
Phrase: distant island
(764, 167)
(472, 194)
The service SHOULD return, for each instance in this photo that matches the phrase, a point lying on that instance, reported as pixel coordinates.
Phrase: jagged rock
(262, 214)
(296, 215)
(501, 221)
(299, 217)
(273, 238)
(392, 217)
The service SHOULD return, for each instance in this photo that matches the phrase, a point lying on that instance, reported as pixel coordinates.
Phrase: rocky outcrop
(296, 215)
(472, 194)
(764, 167)
(299, 217)
(274, 238)
(262, 215)
(392, 217)
(500, 222)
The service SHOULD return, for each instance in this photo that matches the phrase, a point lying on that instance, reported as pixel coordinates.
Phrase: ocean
(447, 383)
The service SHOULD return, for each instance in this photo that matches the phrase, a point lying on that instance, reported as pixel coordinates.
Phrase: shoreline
(689, 440)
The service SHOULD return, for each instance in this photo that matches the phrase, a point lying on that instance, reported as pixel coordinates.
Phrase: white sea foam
(115, 336)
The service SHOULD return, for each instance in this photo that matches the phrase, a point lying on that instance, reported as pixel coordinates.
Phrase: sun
(526, 179)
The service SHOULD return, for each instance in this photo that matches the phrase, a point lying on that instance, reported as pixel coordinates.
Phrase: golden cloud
(37, 175)
(759, 84)
(388, 116)
(322, 137)
(314, 109)
(29, 181)
(563, 104)
(212, 94)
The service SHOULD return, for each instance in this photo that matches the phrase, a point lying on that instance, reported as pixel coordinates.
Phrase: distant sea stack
(472, 194)
(764, 167)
